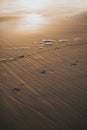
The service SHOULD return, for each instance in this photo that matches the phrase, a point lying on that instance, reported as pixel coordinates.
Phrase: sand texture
(44, 86)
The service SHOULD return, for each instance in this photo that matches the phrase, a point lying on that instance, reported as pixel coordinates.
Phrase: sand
(43, 87)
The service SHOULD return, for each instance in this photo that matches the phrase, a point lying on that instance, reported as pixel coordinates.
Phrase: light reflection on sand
(24, 23)
(31, 22)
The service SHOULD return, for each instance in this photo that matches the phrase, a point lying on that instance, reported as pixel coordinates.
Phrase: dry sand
(44, 87)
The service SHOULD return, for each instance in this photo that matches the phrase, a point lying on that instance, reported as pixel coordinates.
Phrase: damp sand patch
(11, 59)
(19, 48)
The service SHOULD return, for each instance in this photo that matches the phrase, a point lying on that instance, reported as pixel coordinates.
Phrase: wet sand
(44, 87)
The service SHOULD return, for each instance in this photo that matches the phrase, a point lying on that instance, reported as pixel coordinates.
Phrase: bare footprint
(74, 64)
(43, 72)
(17, 89)
(51, 71)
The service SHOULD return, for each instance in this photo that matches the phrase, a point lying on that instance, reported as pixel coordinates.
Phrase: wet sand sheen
(43, 82)
(54, 99)
(27, 23)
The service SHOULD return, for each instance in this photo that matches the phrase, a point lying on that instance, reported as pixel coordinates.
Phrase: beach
(43, 78)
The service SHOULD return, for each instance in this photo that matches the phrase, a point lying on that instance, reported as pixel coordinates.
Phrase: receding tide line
(11, 59)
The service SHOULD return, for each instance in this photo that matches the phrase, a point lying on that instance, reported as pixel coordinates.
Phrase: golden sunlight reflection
(31, 22)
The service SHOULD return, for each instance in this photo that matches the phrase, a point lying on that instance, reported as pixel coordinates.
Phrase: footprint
(51, 71)
(74, 64)
(17, 89)
(43, 72)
